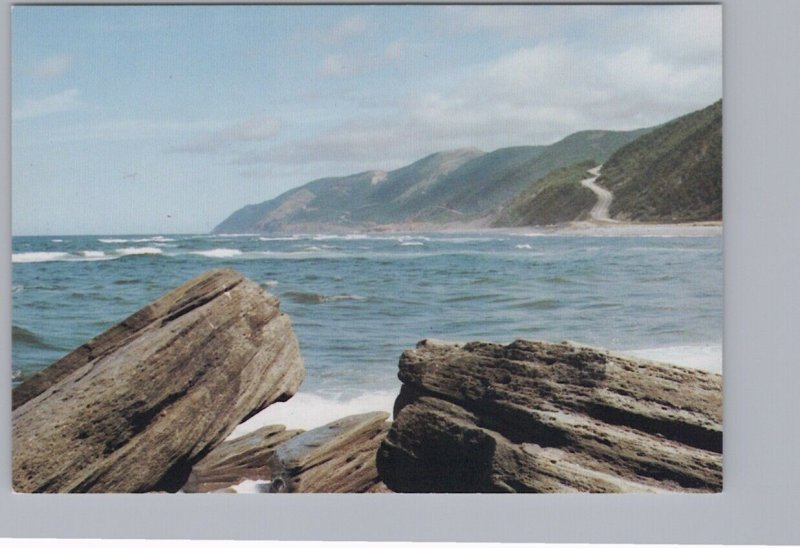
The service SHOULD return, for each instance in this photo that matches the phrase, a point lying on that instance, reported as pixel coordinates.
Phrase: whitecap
(411, 243)
(523, 246)
(280, 238)
(17, 288)
(219, 253)
(139, 251)
(93, 254)
(269, 283)
(57, 241)
(113, 240)
(234, 235)
(39, 256)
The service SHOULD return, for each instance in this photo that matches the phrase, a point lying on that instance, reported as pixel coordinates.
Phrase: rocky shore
(147, 406)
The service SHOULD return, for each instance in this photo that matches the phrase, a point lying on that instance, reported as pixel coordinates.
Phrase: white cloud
(337, 64)
(258, 129)
(345, 29)
(533, 95)
(64, 101)
(52, 67)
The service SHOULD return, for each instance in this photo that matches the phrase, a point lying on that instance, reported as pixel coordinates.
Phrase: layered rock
(240, 459)
(133, 409)
(336, 458)
(543, 417)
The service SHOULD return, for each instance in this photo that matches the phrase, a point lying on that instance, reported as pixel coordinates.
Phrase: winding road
(600, 210)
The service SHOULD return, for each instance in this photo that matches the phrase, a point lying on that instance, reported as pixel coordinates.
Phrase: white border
(762, 417)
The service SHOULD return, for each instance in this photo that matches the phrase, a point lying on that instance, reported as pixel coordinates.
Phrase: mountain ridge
(533, 184)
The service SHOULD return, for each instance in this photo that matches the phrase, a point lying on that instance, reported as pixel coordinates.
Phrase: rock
(336, 458)
(543, 417)
(237, 460)
(133, 409)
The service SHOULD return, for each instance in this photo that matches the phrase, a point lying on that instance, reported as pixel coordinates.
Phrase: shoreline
(577, 228)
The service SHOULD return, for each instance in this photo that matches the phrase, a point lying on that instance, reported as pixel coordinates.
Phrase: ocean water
(357, 301)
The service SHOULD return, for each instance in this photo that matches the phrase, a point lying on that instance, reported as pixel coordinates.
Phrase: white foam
(252, 487)
(234, 235)
(310, 410)
(706, 357)
(93, 254)
(411, 243)
(17, 288)
(39, 256)
(523, 246)
(139, 251)
(57, 241)
(135, 240)
(281, 238)
(269, 283)
(219, 253)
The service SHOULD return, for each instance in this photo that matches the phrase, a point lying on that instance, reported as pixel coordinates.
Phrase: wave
(523, 246)
(232, 235)
(280, 238)
(310, 410)
(219, 253)
(39, 256)
(541, 304)
(17, 288)
(412, 243)
(93, 254)
(706, 357)
(125, 251)
(135, 240)
(303, 297)
(58, 241)
(269, 283)
(20, 335)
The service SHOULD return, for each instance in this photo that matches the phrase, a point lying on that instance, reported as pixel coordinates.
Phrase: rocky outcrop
(133, 409)
(543, 417)
(336, 458)
(240, 459)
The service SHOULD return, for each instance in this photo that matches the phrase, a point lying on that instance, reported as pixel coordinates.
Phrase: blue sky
(165, 119)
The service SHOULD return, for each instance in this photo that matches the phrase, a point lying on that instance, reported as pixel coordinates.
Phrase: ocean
(356, 301)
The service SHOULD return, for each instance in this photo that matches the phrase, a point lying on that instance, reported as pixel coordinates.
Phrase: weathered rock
(133, 409)
(240, 459)
(542, 417)
(336, 458)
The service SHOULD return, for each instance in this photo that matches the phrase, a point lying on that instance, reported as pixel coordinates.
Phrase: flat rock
(336, 458)
(243, 458)
(544, 417)
(134, 408)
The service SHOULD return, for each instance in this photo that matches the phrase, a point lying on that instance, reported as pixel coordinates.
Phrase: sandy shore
(582, 228)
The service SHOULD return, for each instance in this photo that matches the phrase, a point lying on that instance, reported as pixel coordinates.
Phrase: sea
(356, 301)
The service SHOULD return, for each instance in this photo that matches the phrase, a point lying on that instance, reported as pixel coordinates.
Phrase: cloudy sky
(166, 119)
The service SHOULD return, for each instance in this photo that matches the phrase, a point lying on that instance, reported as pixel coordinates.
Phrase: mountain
(558, 197)
(460, 185)
(672, 174)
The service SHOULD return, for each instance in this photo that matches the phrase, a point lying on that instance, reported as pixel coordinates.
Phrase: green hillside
(673, 174)
(557, 198)
(460, 185)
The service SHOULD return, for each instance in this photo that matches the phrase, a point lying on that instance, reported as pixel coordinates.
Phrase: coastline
(481, 226)
(576, 228)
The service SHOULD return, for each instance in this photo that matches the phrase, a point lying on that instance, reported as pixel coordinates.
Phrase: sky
(166, 119)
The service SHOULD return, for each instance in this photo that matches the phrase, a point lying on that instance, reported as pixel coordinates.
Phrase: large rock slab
(240, 459)
(544, 417)
(336, 458)
(133, 409)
